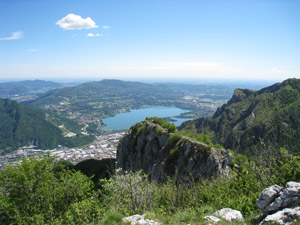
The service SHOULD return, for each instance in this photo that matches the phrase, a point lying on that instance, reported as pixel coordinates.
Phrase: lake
(124, 121)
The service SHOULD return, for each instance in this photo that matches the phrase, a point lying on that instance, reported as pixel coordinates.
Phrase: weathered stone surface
(230, 214)
(267, 196)
(139, 219)
(212, 219)
(285, 216)
(189, 160)
(274, 198)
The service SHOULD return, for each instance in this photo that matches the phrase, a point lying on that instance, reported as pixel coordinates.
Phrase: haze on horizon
(159, 39)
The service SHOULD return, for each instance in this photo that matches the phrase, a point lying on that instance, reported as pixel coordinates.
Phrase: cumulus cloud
(14, 36)
(76, 22)
(105, 27)
(94, 35)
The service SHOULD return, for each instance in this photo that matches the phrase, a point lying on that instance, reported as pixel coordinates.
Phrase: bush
(128, 192)
(36, 191)
(199, 137)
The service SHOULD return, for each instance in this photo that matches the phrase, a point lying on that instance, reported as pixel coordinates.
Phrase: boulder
(139, 219)
(267, 196)
(275, 198)
(230, 214)
(285, 216)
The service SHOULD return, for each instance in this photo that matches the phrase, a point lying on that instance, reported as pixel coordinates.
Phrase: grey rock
(212, 219)
(275, 198)
(285, 216)
(267, 196)
(230, 214)
(190, 160)
(139, 219)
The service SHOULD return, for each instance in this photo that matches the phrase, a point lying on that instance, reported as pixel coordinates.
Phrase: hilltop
(22, 125)
(255, 121)
(156, 147)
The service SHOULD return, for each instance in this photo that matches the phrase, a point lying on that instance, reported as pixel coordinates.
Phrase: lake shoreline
(123, 121)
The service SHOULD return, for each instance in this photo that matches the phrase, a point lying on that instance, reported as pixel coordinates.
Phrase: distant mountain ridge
(22, 125)
(26, 87)
(252, 121)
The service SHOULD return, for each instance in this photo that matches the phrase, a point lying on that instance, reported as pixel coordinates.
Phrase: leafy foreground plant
(40, 191)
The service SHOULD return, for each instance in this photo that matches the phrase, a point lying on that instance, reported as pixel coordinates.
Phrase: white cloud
(76, 22)
(105, 27)
(74, 35)
(14, 36)
(94, 35)
(34, 50)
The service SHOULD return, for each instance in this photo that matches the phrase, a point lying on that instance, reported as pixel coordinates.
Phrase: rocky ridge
(160, 154)
(251, 121)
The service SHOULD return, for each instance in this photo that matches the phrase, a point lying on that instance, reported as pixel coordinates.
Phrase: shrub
(36, 191)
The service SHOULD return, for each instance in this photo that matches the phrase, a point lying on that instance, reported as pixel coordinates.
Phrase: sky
(150, 39)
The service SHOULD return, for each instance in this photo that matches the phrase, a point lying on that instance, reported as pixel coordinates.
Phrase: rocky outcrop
(160, 154)
(277, 203)
(230, 214)
(267, 196)
(285, 216)
(139, 219)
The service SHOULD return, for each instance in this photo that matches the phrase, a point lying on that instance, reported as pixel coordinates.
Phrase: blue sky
(157, 39)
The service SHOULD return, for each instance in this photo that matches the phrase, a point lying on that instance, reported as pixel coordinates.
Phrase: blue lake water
(124, 121)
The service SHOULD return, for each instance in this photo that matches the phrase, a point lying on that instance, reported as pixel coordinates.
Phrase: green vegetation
(36, 192)
(96, 169)
(22, 125)
(255, 120)
(171, 128)
(43, 192)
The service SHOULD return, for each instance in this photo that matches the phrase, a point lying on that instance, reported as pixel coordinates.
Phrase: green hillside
(255, 121)
(22, 125)
(104, 98)
(92, 101)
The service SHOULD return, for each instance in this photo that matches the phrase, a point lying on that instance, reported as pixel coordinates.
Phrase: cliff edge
(157, 148)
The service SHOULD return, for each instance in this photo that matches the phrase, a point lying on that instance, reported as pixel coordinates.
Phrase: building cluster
(105, 146)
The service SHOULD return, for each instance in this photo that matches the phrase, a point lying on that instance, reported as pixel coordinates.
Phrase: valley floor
(105, 146)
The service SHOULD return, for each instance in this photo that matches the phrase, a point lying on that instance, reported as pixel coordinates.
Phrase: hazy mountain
(26, 87)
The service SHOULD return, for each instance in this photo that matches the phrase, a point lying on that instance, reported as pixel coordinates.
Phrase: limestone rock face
(275, 198)
(267, 196)
(149, 148)
(230, 214)
(285, 216)
(278, 203)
